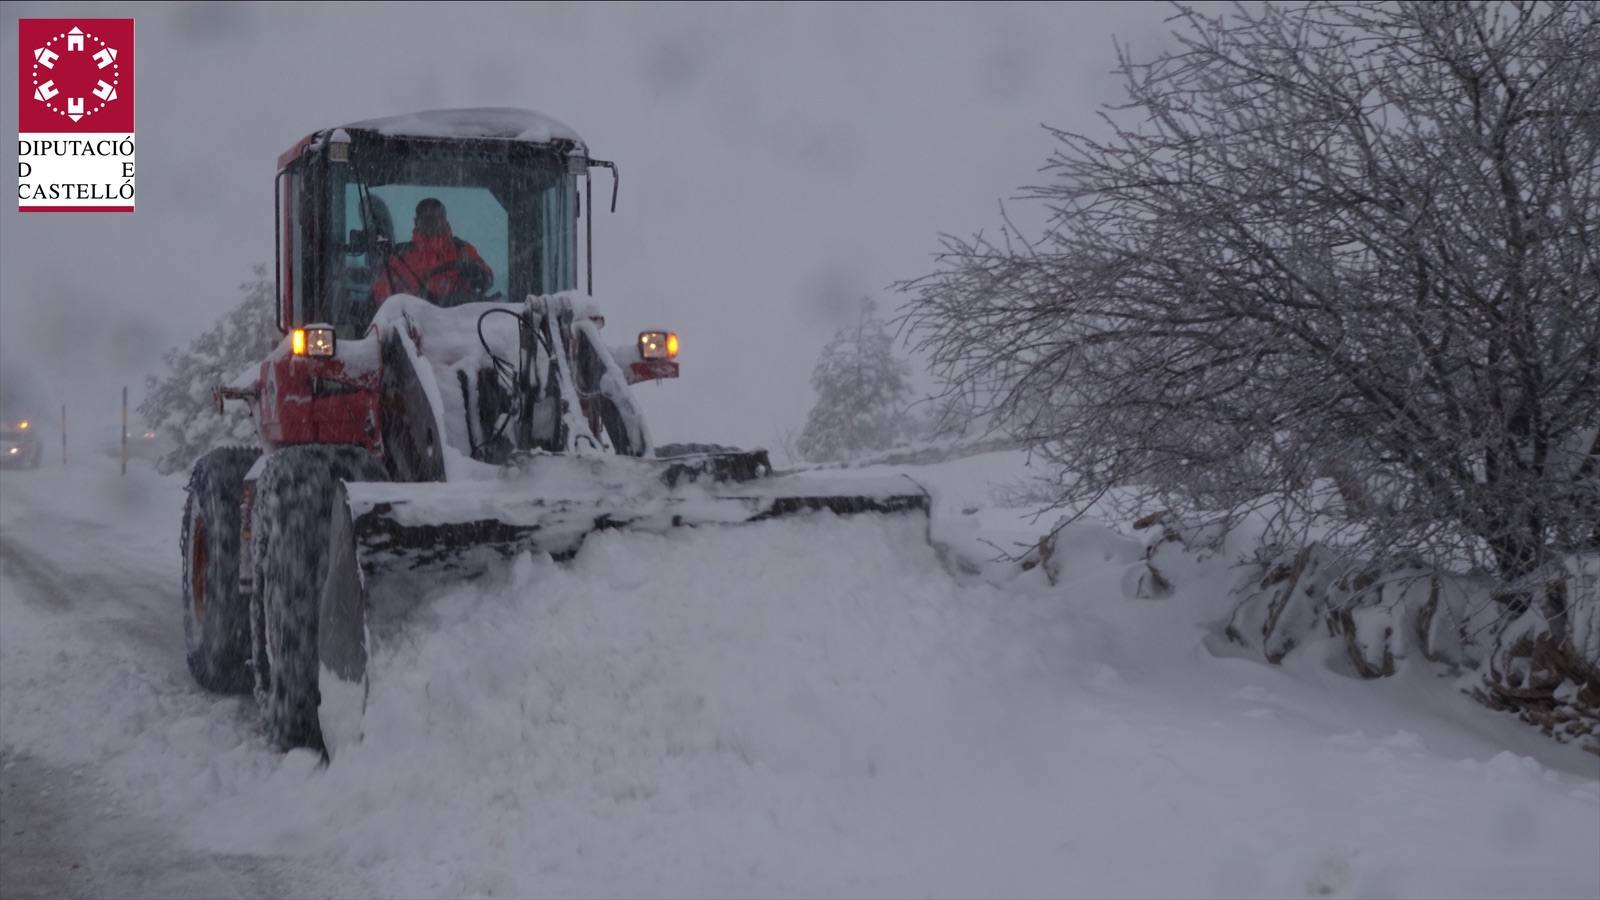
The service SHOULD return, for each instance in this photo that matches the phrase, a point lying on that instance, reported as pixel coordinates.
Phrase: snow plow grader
(422, 427)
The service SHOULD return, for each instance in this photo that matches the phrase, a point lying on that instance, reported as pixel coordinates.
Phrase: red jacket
(411, 263)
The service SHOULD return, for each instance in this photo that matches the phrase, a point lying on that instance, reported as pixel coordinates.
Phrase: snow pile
(668, 714)
(808, 706)
(815, 707)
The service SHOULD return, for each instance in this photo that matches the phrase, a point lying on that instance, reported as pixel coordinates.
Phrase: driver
(434, 264)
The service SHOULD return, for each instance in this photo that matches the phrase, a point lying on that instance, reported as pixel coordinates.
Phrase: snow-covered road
(809, 707)
(86, 642)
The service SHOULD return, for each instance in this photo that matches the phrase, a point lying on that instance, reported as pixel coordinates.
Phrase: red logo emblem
(77, 75)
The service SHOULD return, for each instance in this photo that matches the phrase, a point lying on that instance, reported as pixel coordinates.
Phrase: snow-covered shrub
(862, 391)
(1296, 258)
(1171, 540)
(1073, 545)
(179, 405)
(1287, 596)
(1549, 673)
(1373, 615)
(1583, 606)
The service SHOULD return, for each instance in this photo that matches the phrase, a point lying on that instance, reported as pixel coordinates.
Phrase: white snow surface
(490, 122)
(805, 707)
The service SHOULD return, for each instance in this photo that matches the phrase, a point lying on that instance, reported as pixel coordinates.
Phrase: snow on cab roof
(489, 122)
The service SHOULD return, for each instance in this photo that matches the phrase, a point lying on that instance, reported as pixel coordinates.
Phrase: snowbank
(800, 707)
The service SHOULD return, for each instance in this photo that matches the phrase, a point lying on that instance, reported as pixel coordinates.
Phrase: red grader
(434, 430)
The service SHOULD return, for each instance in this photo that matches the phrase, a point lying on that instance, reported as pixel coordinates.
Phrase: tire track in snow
(62, 838)
(126, 613)
(66, 828)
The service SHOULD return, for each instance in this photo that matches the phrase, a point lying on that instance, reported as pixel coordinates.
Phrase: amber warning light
(313, 341)
(658, 345)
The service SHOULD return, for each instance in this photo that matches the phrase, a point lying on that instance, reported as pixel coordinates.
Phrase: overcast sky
(778, 163)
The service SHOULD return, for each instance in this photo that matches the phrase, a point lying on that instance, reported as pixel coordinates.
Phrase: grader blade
(395, 544)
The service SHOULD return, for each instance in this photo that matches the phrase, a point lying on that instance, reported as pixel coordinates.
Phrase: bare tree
(1340, 242)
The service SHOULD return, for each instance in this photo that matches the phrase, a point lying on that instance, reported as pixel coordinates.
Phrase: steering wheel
(470, 287)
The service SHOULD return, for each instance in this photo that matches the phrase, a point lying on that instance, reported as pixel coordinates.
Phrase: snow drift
(810, 706)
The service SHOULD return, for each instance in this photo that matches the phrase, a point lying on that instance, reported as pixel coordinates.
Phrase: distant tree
(862, 390)
(1328, 243)
(179, 405)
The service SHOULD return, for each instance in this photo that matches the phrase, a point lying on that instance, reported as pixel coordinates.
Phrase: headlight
(658, 345)
(23, 424)
(11, 450)
(317, 340)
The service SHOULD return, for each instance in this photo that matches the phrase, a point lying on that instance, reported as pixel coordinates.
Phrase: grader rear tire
(216, 627)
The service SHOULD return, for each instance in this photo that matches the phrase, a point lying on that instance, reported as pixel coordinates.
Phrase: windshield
(449, 221)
